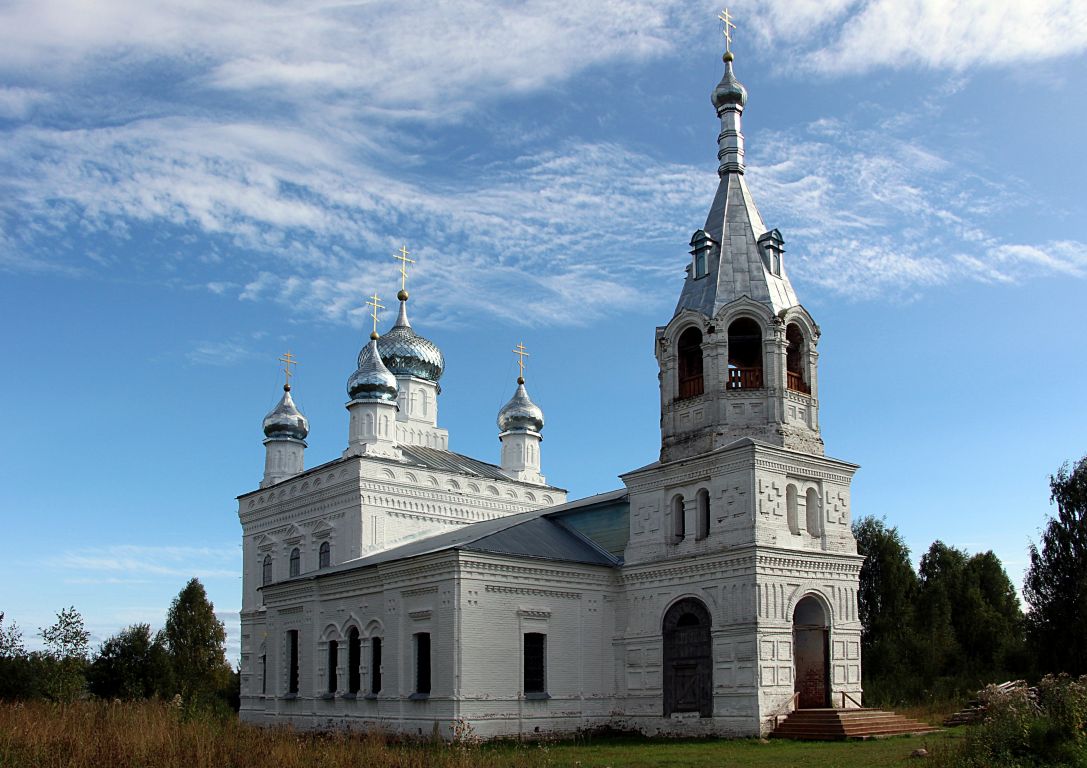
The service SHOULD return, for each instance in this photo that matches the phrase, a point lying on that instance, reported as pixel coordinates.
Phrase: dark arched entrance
(688, 659)
(811, 649)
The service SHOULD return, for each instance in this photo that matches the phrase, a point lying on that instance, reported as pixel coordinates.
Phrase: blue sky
(188, 189)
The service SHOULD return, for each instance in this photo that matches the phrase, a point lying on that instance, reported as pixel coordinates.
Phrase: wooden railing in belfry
(690, 387)
(744, 378)
(796, 383)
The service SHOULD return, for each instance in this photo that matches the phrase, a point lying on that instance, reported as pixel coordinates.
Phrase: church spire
(734, 254)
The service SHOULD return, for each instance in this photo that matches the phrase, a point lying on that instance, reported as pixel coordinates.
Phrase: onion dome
(285, 421)
(406, 353)
(520, 414)
(729, 90)
(372, 380)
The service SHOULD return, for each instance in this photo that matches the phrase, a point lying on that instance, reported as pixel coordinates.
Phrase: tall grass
(95, 734)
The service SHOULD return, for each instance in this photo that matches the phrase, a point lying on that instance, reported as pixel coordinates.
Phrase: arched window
(679, 524)
(266, 571)
(792, 509)
(814, 513)
(324, 557)
(690, 363)
(703, 498)
(744, 354)
(375, 666)
(354, 658)
(795, 359)
(333, 662)
(296, 562)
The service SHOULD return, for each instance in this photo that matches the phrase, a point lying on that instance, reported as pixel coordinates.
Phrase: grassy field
(151, 735)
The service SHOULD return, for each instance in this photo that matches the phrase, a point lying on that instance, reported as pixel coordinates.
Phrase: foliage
(937, 633)
(1022, 730)
(132, 664)
(195, 640)
(1056, 582)
(11, 640)
(154, 735)
(64, 663)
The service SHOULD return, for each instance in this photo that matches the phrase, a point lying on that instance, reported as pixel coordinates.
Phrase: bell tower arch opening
(811, 653)
(689, 368)
(688, 659)
(745, 354)
(796, 359)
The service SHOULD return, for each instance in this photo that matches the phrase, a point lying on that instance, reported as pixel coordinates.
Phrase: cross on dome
(402, 257)
(521, 353)
(375, 304)
(728, 26)
(288, 360)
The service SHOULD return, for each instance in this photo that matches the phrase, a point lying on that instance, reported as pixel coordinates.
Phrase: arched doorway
(688, 659)
(811, 651)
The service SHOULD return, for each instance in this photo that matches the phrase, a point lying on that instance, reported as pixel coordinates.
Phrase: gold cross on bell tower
(521, 353)
(726, 20)
(402, 257)
(375, 304)
(288, 360)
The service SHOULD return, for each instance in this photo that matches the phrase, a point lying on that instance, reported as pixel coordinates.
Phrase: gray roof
(538, 534)
(735, 266)
(448, 461)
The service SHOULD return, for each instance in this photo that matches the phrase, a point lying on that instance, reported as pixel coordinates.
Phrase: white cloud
(842, 36)
(128, 563)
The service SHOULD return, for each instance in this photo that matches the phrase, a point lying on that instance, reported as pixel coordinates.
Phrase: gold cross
(376, 304)
(288, 360)
(404, 261)
(726, 18)
(519, 350)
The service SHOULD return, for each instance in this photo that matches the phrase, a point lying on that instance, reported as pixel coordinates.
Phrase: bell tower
(740, 533)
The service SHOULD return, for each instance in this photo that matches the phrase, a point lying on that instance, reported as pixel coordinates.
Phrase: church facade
(406, 587)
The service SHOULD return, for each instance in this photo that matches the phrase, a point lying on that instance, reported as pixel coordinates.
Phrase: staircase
(838, 724)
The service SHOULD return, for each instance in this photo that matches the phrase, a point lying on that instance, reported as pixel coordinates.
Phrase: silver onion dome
(729, 90)
(372, 380)
(406, 353)
(285, 420)
(520, 414)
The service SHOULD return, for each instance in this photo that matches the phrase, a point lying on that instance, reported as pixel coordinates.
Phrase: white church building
(404, 586)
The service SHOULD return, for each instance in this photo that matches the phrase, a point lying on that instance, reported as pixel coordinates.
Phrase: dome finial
(288, 360)
(726, 30)
(375, 304)
(521, 353)
(402, 257)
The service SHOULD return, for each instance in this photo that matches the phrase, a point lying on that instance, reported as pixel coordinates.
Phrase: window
(333, 662)
(679, 522)
(535, 662)
(292, 664)
(422, 663)
(324, 558)
(703, 498)
(744, 355)
(296, 561)
(791, 508)
(354, 654)
(264, 673)
(700, 264)
(814, 510)
(690, 363)
(266, 571)
(795, 353)
(375, 666)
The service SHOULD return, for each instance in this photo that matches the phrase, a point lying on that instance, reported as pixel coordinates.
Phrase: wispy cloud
(125, 563)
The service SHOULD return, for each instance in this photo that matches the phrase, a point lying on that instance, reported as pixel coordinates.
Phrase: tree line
(955, 623)
(185, 660)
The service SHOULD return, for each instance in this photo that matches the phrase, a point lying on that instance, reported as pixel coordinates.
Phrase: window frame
(424, 669)
(534, 665)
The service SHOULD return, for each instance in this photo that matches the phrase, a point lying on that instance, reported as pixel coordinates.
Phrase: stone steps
(838, 724)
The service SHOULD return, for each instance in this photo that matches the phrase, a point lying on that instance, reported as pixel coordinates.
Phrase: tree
(988, 621)
(132, 664)
(888, 588)
(11, 640)
(1056, 582)
(18, 679)
(65, 657)
(195, 640)
(941, 593)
